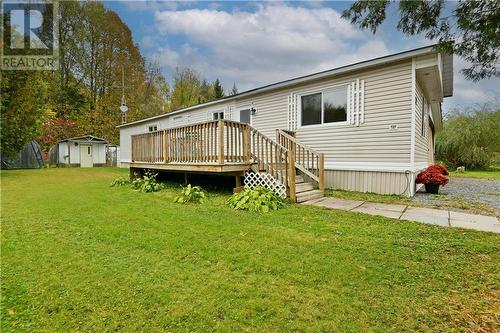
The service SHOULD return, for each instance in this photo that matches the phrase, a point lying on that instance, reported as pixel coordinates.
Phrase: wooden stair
(305, 191)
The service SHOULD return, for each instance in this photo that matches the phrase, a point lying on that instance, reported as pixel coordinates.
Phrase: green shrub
(470, 139)
(259, 199)
(191, 194)
(120, 181)
(147, 183)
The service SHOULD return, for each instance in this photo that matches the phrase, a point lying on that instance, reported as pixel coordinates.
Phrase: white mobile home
(84, 151)
(369, 126)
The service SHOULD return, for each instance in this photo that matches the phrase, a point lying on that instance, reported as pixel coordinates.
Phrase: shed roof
(85, 139)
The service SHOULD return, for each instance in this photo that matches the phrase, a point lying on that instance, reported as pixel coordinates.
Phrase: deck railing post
(246, 144)
(321, 171)
(220, 126)
(165, 146)
(291, 173)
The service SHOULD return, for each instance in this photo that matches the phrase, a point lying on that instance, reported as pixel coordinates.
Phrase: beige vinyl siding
(387, 102)
(421, 142)
(369, 181)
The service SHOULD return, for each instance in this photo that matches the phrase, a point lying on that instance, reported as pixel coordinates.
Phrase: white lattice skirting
(253, 179)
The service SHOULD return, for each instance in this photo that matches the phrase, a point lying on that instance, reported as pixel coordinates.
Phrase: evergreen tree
(218, 90)
(234, 91)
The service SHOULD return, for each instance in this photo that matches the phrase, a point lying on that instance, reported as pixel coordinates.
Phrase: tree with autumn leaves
(84, 95)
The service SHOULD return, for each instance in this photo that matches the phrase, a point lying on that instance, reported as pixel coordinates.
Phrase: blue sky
(257, 43)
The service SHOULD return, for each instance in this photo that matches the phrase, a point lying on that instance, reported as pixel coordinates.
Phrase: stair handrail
(307, 160)
(273, 158)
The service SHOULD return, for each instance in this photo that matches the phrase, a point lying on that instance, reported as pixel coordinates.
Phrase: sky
(258, 43)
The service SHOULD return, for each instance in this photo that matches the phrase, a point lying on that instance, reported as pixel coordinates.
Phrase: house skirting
(382, 182)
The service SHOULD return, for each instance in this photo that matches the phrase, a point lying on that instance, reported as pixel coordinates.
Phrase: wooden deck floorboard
(195, 167)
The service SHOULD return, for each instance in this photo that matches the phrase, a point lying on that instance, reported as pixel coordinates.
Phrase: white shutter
(292, 111)
(356, 102)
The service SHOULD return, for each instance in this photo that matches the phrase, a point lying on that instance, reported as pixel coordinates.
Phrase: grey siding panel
(368, 181)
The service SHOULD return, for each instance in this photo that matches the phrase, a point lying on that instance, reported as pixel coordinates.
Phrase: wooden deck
(230, 168)
(226, 147)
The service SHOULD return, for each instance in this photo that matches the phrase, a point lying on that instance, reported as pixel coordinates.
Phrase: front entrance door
(86, 160)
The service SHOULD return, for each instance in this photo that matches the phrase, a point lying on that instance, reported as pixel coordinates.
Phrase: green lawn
(78, 255)
(492, 172)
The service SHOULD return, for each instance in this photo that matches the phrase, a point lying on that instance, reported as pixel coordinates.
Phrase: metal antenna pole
(123, 107)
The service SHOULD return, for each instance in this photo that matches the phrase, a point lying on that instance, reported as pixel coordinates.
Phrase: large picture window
(329, 106)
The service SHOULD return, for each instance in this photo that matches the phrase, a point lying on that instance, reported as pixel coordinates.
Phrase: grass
(492, 172)
(373, 197)
(78, 255)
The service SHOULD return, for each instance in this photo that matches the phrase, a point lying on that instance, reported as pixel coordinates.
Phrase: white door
(86, 160)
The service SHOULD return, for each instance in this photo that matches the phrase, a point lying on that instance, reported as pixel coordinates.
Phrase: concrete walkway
(444, 218)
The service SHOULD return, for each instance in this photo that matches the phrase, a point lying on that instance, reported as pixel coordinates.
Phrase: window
(88, 150)
(217, 115)
(329, 106)
(153, 128)
(245, 116)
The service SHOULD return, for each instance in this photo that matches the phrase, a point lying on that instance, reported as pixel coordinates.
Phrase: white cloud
(273, 43)
(467, 93)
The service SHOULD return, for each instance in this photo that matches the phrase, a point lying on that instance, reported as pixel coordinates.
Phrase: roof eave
(291, 82)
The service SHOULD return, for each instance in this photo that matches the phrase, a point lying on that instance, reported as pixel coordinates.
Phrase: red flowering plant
(435, 175)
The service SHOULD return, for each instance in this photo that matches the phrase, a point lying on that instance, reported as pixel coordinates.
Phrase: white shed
(84, 151)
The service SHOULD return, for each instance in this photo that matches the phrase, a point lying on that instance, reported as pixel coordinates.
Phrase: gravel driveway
(484, 191)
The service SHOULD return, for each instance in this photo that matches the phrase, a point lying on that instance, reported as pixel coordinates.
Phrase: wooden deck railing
(307, 160)
(219, 141)
(228, 142)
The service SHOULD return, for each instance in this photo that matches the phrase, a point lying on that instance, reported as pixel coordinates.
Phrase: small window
(153, 128)
(218, 115)
(88, 150)
(329, 106)
(245, 116)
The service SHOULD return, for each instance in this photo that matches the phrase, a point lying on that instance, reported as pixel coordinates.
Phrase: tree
(218, 90)
(234, 91)
(206, 92)
(470, 139)
(471, 31)
(23, 108)
(186, 88)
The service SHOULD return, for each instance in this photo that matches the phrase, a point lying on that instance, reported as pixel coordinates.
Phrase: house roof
(84, 139)
(447, 83)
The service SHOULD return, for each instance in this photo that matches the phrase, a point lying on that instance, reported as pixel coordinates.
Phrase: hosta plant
(147, 183)
(191, 193)
(120, 181)
(259, 199)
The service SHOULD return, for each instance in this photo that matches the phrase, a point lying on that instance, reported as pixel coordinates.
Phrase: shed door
(86, 160)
